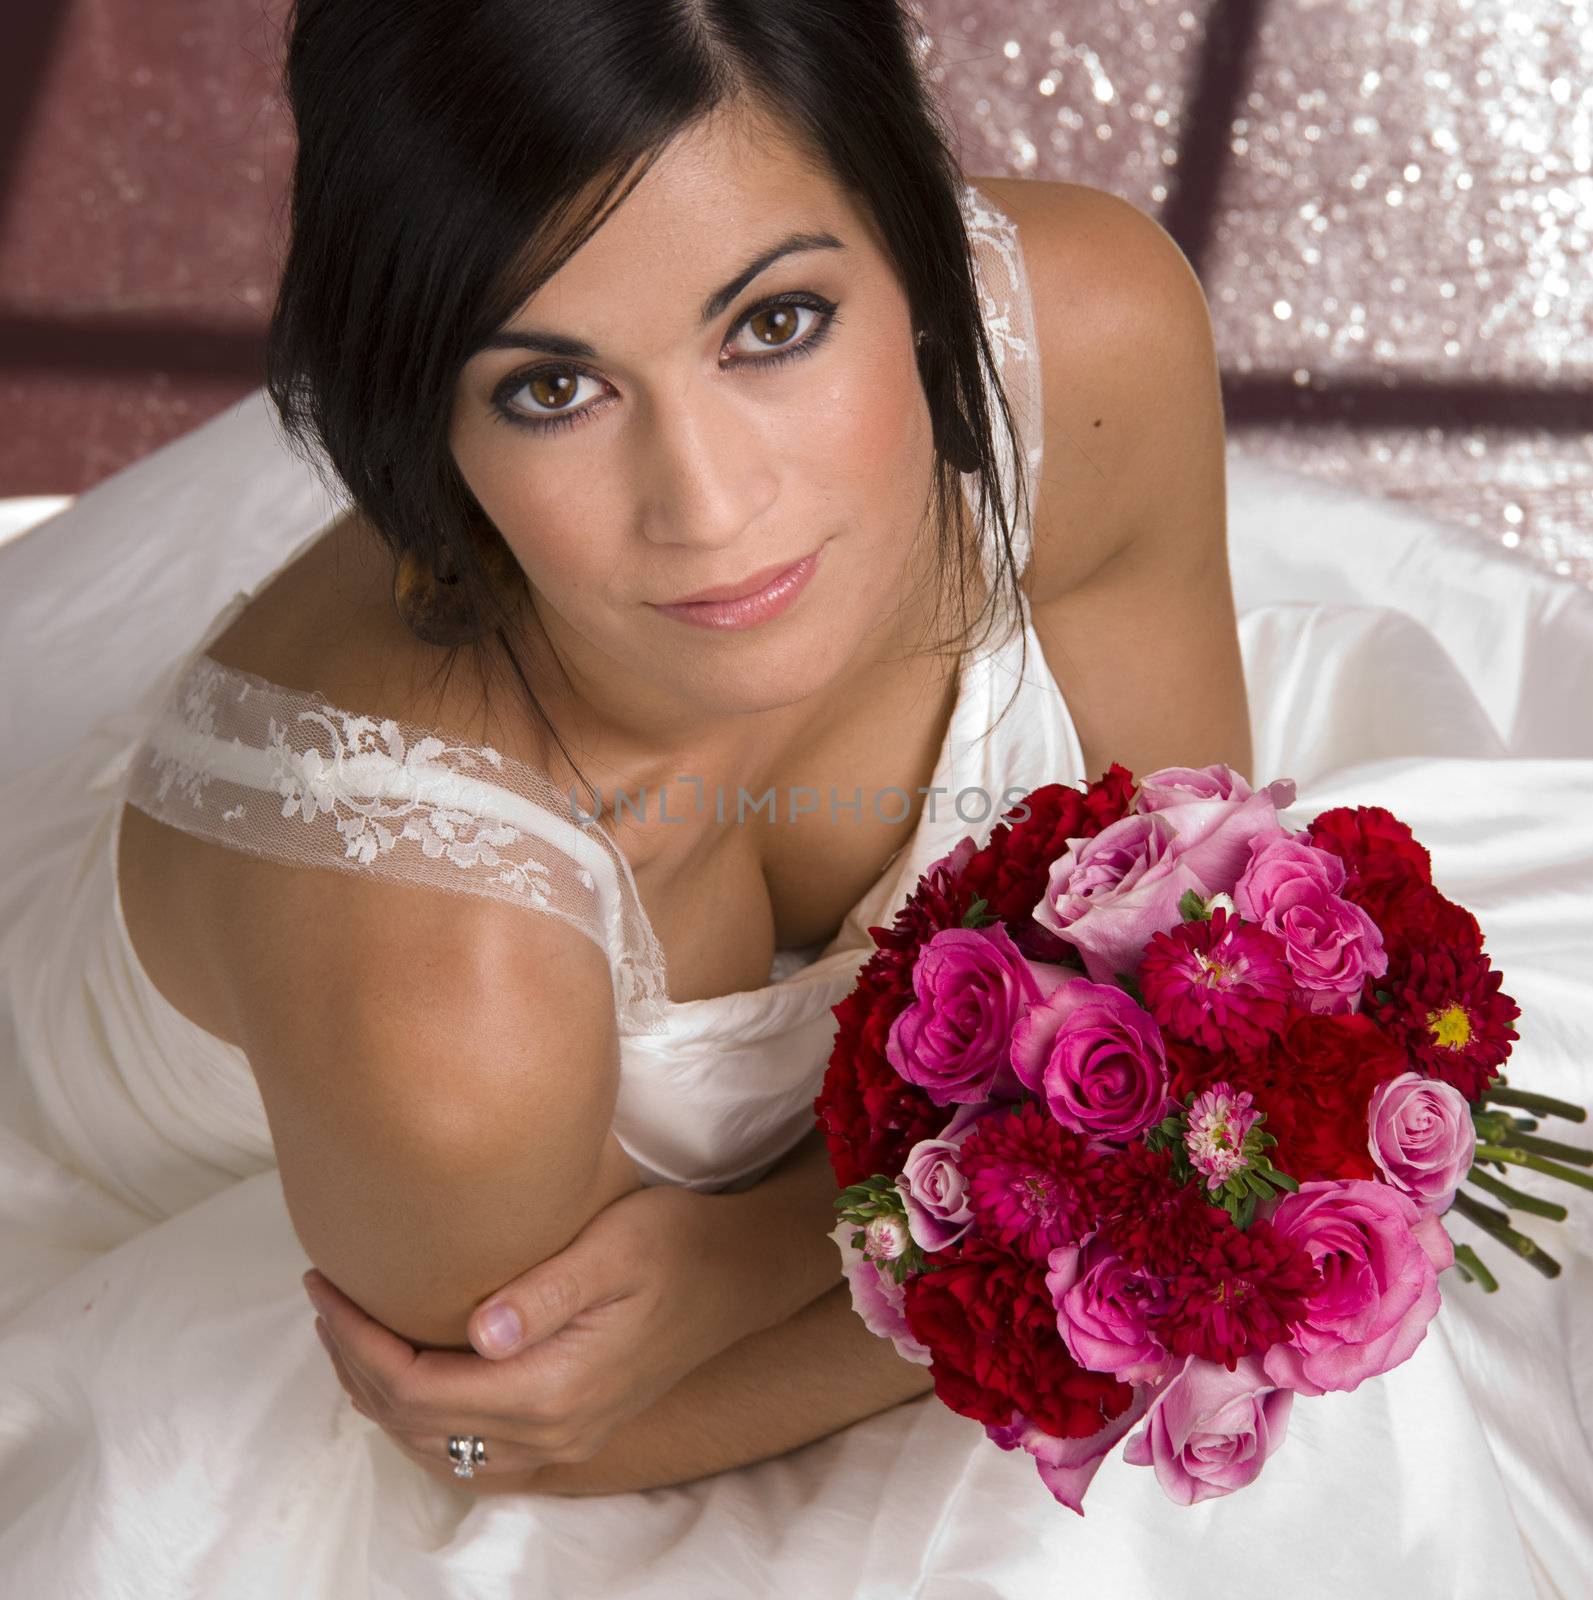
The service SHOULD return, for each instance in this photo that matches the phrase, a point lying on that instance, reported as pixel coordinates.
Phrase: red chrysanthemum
(989, 1323)
(1030, 1181)
(1222, 983)
(1148, 1218)
(1447, 1010)
(1236, 1294)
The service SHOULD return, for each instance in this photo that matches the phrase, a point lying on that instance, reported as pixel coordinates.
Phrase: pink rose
(877, 1298)
(1104, 1309)
(934, 1190)
(1209, 1431)
(1379, 1254)
(1097, 1059)
(1173, 786)
(1108, 894)
(1422, 1137)
(1214, 814)
(971, 986)
(1066, 1466)
(1331, 945)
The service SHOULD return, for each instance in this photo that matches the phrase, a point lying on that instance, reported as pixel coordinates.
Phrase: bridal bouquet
(1149, 1112)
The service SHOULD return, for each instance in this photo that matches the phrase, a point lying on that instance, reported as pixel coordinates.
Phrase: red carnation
(988, 1320)
(1012, 870)
(1237, 1293)
(1315, 1085)
(1425, 919)
(1446, 1009)
(871, 1116)
(1372, 840)
(1384, 863)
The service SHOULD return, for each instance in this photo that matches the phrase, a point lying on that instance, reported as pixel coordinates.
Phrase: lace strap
(279, 773)
(1008, 308)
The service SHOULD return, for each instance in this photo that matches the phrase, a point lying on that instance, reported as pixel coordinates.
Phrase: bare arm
(439, 1072)
(808, 1368)
(785, 1257)
(773, 1391)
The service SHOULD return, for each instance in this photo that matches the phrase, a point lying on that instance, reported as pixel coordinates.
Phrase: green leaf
(1192, 907)
(974, 916)
(1129, 984)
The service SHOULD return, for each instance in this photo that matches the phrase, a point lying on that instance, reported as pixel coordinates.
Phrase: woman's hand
(651, 1288)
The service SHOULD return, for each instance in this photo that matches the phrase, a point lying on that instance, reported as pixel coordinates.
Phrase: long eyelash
(500, 412)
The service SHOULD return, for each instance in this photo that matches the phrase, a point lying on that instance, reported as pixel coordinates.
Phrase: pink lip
(773, 593)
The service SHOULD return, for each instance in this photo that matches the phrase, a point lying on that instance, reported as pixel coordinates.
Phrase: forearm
(779, 1230)
(772, 1391)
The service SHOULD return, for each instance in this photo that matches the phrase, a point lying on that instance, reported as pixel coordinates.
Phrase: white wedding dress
(169, 1425)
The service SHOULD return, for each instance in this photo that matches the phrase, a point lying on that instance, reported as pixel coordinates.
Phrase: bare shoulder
(1130, 384)
(327, 623)
(1129, 580)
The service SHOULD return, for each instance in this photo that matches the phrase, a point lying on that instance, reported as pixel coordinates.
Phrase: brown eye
(775, 325)
(552, 389)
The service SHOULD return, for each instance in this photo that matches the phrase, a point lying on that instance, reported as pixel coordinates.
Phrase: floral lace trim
(353, 791)
(1008, 308)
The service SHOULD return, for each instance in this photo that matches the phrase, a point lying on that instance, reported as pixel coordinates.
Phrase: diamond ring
(468, 1452)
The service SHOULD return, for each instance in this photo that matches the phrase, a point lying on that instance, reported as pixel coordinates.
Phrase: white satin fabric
(170, 1426)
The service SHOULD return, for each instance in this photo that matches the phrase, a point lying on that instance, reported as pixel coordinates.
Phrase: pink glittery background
(1389, 203)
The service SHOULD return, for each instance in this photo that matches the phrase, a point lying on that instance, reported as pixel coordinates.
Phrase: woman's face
(691, 451)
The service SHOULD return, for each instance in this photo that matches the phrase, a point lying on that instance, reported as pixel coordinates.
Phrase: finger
(351, 1386)
(436, 1390)
(502, 1460)
(373, 1350)
(536, 1305)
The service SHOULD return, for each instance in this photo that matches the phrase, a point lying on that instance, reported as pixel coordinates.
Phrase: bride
(729, 494)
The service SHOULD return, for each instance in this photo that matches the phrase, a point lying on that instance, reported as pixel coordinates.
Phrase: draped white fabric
(168, 1422)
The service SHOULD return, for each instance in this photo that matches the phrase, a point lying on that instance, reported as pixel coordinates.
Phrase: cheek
(868, 440)
(533, 509)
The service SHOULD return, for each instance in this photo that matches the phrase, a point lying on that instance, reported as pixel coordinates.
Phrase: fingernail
(323, 1335)
(498, 1329)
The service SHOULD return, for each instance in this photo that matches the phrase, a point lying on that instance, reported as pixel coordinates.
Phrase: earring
(435, 604)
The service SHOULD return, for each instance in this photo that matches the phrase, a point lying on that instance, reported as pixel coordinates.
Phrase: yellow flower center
(1451, 1027)
(1212, 973)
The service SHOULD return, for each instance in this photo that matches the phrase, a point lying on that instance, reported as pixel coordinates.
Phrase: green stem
(1471, 1267)
(1515, 1199)
(1527, 1101)
(1514, 1155)
(1518, 1243)
(1553, 1147)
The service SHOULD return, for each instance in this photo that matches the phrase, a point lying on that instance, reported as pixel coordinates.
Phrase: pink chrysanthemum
(1219, 1119)
(1222, 984)
(1031, 1182)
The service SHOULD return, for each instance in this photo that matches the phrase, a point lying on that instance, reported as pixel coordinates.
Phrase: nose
(708, 475)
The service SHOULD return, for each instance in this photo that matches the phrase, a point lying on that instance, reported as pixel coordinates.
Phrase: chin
(755, 671)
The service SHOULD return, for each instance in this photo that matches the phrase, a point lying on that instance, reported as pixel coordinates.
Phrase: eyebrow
(559, 344)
